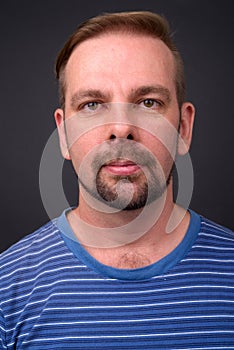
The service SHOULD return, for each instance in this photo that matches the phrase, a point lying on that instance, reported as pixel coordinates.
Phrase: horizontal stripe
(29, 255)
(213, 248)
(128, 336)
(216, 236)
(137, 320)
(51, 299)
(141, 305)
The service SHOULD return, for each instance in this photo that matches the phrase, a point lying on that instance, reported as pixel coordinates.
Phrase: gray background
(32, 33)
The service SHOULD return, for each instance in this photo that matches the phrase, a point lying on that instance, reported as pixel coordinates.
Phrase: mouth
(121, 167)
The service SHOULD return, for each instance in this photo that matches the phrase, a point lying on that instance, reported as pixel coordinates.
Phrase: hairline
(113, 31)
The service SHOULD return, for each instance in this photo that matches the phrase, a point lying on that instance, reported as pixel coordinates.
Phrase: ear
(186, 127)
(59, 120)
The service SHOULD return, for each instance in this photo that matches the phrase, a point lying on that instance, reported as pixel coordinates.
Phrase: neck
(130, 239)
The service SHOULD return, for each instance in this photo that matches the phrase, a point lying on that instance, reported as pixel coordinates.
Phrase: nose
(121, 130)
(122, 125)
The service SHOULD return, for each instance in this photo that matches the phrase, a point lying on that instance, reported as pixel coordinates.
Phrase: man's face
(120, 156)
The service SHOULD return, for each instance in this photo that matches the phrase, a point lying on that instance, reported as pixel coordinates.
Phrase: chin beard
(123, 192)
(126, 195)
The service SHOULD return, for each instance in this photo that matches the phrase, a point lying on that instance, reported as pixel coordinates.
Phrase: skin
(117, 65)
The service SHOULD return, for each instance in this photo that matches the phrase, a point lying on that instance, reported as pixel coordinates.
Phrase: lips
(121, 167)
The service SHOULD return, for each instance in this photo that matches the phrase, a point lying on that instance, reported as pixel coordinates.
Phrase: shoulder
(214, 244)
(32, 263)
(215, 232)
(30, 250)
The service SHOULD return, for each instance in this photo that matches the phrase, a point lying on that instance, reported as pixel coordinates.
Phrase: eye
(91, 109)
(92, 106)
(150, 103)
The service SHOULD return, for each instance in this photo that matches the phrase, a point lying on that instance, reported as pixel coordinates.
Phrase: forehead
(119, 57)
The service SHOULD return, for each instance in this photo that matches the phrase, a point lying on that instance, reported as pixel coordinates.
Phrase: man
(128, 268)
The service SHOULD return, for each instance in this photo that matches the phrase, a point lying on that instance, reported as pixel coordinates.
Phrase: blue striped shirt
(54, 295)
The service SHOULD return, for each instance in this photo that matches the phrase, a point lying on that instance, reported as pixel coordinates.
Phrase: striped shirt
(54, 295)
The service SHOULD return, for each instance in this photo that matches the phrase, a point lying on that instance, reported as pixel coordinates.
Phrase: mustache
(123, 149)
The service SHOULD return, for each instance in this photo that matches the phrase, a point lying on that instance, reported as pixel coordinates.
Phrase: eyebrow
(90, 93)
(135, 93)
(151, 89)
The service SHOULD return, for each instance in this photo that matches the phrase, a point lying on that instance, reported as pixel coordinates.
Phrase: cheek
(82, 145)
(163, 148)
(162, 139)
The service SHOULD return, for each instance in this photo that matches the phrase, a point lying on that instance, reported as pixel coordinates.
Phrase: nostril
(129, 137)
